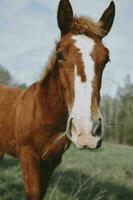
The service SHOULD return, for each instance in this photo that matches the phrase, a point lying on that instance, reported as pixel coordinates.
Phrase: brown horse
(66, 99)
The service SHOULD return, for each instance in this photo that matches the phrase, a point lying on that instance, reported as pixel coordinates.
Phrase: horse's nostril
(100, 119)
(99, 144)
(98, 129)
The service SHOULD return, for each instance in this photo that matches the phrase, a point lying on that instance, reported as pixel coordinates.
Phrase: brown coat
(31, 119)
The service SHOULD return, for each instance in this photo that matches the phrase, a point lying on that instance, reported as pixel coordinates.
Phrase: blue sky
(28, 30)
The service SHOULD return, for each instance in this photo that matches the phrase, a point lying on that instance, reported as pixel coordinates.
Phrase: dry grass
(106, 174)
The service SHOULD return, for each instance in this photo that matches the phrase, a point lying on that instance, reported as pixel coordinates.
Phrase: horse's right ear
(64, 16)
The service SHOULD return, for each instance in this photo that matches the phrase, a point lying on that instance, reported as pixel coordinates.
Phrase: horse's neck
(53, 101)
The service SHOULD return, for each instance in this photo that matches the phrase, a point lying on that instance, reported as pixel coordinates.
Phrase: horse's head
(81, 57)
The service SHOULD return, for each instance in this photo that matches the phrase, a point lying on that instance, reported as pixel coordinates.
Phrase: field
(106, 174)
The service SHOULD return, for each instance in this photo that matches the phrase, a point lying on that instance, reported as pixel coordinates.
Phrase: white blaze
(81, 109)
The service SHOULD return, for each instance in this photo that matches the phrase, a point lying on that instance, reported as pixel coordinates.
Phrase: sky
(28, 31)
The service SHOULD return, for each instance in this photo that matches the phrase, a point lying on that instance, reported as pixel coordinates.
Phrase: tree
(125, 116)
(5, 76)
(118, 114)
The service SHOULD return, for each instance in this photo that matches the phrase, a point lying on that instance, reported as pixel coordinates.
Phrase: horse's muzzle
(84, 140)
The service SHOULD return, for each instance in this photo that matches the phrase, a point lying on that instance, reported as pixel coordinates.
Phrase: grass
(106, 174)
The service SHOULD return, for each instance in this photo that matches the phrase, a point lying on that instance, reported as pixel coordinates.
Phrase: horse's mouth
(88, 146)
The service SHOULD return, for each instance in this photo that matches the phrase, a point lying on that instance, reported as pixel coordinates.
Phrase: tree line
(118, 114)
(117, 111)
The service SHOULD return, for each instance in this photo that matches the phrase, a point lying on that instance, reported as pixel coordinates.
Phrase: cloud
(28, 29)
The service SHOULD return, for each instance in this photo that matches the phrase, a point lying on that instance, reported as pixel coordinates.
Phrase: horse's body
(32, 120)
(27, 123)
(26, 116)
(8, 98)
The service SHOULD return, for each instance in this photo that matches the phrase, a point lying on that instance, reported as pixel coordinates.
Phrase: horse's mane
(85, 25)
(80, 25)
(49, 65)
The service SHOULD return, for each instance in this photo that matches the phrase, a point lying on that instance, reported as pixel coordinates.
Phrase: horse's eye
(60, 55)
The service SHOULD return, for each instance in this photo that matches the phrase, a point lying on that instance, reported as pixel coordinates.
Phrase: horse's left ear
(107, 18)
(64, 16)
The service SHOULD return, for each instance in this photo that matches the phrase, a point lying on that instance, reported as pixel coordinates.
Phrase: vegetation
(118, 114)
(7, 79)
(105, 174)
(5, 76)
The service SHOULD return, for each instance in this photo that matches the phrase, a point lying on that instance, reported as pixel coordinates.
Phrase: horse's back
(8, 97)
(8, 93)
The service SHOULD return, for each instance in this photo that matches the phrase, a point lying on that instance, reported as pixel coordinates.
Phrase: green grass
(106, 174)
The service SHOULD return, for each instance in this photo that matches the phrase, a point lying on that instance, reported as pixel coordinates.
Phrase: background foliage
(118, 114)
(7, 79)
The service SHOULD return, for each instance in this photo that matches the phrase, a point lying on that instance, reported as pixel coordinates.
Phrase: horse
(39, 123)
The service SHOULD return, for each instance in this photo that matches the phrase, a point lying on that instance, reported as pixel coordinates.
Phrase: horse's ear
(107, 18)
(64, 16)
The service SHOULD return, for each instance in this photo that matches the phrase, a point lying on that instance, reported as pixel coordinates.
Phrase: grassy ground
(106, 174)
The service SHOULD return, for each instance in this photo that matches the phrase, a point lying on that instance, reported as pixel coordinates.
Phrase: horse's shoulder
(27, 98)
(28, 93)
